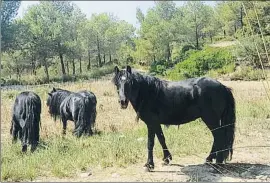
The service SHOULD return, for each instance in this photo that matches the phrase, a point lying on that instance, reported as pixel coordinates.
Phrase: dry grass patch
(122, 141)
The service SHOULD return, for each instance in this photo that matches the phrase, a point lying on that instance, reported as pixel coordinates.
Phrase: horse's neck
(148, 92)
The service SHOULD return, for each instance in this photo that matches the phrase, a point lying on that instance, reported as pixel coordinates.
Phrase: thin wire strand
(257, 52)
(254, 7)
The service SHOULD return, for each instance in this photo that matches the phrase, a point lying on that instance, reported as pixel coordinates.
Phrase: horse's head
(49, 99)
(124, 84)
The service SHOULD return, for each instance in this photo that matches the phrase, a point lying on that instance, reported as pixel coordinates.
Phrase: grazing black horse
(173, 103)
(25, 121)
(79, 107)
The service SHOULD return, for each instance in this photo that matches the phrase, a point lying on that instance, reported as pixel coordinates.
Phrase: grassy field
(122, 141)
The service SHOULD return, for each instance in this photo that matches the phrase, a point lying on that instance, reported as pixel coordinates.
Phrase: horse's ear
(116, 70)
(129, 69)
(54, 90)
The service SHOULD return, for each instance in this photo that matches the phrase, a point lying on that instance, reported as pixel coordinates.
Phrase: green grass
(122, 141)
(63, 157)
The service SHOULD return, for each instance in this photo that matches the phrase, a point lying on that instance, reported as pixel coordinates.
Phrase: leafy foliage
(57, 36)
(200, 62)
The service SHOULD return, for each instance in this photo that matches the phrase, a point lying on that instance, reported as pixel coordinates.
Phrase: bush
(40, 78)
(247, 53)
(200, 62)
(159, 67)
(222, 71)
(247, 73)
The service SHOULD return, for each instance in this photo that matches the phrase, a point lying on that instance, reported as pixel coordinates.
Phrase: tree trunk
(46, 69)
(110, 56)
(73, 67)
(89, 61)
(211, 38)
(168, 52)
(33, 65)
(197, 37)
(241, 17)
(99, 56)
(224, 33)
(104, 58)
(80, 59)
(18, 72)
(67, 65)
(61, 60)
(196, 32)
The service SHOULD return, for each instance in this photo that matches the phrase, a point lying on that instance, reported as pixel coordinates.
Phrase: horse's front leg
(161, 138)
(150, 145)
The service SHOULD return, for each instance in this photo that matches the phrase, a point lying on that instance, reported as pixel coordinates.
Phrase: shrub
(159, 67)
(247, 73)
(40, 78)
(247, 53)
(200, 62)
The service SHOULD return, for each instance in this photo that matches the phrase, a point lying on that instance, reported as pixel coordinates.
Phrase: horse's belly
(185, 116)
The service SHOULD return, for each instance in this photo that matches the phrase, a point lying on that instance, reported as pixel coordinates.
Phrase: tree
(230, 15)
(157, 29)
(74, 44)
(197, 17)
(9, 10)
(139, 15)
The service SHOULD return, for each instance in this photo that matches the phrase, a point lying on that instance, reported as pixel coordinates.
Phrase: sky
(124, 10)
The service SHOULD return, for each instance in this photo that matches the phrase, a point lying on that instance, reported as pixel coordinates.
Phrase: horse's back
(26, 102)
(192, 96)
(90, 95)
(25, 98)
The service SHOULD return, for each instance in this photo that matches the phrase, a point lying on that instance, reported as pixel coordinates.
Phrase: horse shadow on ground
(227, 172)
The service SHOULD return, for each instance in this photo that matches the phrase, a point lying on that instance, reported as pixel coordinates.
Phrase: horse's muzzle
(124, 104)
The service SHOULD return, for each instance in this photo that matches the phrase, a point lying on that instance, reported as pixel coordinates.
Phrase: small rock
(262, 177)
(86, 174)
(115, 175)
(140, 139)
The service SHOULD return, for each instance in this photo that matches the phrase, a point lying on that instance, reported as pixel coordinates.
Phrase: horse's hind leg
(64, 121)
(14, 130)
(88, 130)
(212, 123)
(161, 138)
(33, 147)
(24, 139)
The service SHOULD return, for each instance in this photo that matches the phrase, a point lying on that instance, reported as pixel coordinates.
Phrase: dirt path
(255, 169)
(223, 44)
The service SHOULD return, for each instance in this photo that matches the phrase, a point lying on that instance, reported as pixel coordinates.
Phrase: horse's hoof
(167, 160)
(148, 167)
(208, 161)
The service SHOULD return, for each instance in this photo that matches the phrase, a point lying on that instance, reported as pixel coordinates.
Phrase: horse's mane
(56, 99)
(149, 84)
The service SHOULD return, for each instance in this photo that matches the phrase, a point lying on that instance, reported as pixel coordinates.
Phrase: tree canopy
(56, 36)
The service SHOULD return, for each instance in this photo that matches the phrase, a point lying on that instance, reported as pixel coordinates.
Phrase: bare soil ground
(184, 170)
(223, 44)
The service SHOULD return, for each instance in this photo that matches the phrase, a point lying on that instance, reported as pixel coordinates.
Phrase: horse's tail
(84, 118)
(228, 121)
(32, 121)
(93, 113)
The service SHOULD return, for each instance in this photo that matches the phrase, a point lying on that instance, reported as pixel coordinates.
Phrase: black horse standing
(25, 121)
(78, 107)
(173, 103)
